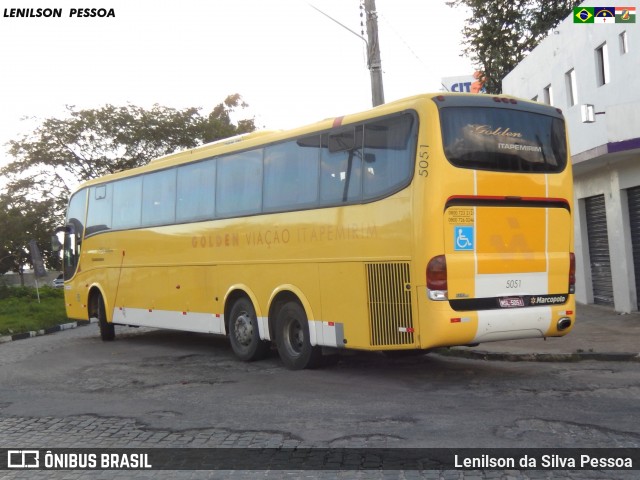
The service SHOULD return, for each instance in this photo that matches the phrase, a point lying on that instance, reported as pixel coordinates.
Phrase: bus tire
(244, 334)
(107, 330)
(292, 338)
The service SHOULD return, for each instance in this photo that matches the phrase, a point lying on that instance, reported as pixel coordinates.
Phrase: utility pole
(373, 49)
(373, 53)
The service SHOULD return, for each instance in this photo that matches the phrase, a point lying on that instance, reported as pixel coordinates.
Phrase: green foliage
(500, 33)
(63, 152)
(7, 291)
(20, 311)
(23, 220)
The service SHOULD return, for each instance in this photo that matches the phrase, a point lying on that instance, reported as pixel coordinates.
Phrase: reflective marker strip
(461, 320)
(327, 334)
(193, 322)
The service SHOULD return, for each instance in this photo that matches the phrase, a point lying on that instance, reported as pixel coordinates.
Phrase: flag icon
(583, 15)
(604, 15)
(625, 14)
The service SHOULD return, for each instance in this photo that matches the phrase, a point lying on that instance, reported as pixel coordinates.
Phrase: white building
(599, 65)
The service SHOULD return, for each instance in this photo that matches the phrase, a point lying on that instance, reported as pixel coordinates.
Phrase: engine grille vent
(390, 314)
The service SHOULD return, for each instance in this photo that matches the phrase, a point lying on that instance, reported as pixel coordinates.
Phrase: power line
(406, 44)
(373, 48)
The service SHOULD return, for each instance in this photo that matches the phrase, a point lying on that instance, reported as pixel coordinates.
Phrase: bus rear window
(503, 140)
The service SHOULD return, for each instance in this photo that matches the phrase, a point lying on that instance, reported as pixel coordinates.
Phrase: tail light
(437, 278)
(572, 273)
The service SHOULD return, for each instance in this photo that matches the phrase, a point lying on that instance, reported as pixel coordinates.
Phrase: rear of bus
(498, 228)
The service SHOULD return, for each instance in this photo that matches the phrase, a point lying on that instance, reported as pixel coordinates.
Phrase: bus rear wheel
(107, 330)
(292, 338)
(244, 334)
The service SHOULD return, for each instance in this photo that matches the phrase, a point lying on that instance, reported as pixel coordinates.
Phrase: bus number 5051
(423, 163)
(514, 283)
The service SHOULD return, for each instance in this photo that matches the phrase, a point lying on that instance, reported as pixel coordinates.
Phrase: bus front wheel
(244, 334)
(292, 338)
(107, 330)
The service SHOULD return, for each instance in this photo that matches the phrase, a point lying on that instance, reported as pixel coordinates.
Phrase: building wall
(605, 154)
(613, 183)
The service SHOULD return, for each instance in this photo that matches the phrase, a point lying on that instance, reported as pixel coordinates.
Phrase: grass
(20, 311)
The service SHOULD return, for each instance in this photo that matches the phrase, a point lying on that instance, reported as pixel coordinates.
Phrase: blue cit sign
(463, 238)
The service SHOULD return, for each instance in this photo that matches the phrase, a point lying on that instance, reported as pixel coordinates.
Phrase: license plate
(511, 302)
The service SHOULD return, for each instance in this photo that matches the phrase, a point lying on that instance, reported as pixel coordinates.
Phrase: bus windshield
(503, 140)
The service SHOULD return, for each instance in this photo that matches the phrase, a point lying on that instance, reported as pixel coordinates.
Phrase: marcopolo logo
(23, 459)
(547, 299)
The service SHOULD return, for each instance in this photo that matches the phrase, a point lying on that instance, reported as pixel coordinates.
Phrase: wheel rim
(243, 329)
(294, 337)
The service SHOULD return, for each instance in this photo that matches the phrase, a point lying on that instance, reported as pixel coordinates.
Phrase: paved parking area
(158, 389)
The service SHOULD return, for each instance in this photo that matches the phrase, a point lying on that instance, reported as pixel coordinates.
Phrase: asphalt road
(153, 388)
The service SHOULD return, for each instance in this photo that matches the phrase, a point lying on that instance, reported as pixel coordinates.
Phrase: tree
(23, 220)
(61, 153)
(500, 33)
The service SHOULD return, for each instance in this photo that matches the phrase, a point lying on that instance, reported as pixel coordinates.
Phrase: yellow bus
(436, 220)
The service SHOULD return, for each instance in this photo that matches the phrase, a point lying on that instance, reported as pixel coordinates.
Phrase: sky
(291, 64)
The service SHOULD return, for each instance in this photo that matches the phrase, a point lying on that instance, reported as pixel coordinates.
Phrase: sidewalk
(599, 334)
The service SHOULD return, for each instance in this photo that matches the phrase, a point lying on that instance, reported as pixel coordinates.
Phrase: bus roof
(254, 139)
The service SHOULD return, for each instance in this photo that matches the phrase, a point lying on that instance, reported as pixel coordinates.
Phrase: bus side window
(100, 206)
(159, 197)
(388, 155)
(196, 191)
(291, 175)
(341, 173)
(239, 184)
(127, 203)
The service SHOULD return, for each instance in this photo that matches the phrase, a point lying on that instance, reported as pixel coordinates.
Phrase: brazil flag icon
(583, 15)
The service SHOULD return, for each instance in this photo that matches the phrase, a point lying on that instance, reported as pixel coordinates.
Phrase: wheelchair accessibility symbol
(463, 238)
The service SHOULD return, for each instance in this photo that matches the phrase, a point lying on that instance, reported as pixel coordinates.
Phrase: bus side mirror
(56, 244)
(57, 238)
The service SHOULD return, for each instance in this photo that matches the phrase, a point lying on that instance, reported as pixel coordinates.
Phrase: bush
(30, 292)
(21, 312)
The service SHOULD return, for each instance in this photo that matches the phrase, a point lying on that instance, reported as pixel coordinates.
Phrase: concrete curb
(46, 331)
(538, 357)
